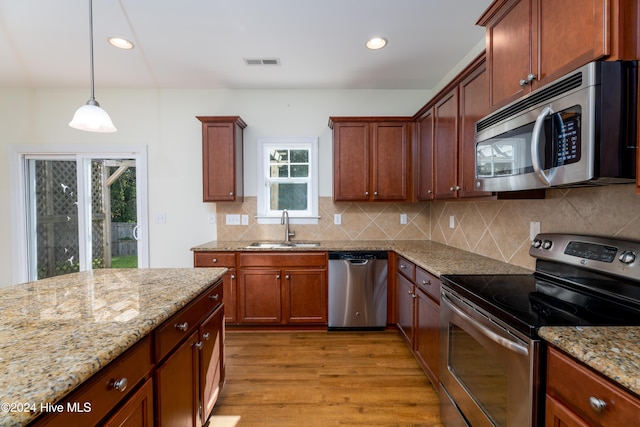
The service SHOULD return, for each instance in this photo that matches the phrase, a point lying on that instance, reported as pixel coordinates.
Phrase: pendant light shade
(91, 117)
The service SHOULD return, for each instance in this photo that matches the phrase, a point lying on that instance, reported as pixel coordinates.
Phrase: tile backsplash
(497, 229)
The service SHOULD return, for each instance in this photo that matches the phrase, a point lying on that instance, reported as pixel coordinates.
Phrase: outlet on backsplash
(452, 221)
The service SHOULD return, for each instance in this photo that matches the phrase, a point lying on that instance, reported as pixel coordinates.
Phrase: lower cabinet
(418, 314)
(178, 369)
(282, 289)
(579, 397)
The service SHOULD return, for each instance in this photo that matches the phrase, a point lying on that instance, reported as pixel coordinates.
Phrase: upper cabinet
(371, 158)
(222, 158)
(445, 159)
(532, 42)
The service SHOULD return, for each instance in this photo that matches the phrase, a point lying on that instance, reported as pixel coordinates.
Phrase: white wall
(165, 122)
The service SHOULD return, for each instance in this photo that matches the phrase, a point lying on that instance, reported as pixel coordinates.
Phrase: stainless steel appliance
(579, 130)
(358, 290)
(493, 361)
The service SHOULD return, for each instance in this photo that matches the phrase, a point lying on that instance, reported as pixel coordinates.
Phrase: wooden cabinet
(532, 42)
(418, 314)
(371, 158)
(137, 411)
(189, 351)
(222, 158)
(229, 281)
(282, 289)
(424, 156)
(114, 387)
(452, 115)
(596, 401)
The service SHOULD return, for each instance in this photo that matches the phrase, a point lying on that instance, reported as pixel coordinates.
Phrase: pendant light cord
(92, 100)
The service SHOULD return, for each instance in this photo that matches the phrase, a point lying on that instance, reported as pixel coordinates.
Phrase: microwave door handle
(535, 144)
(504, 342)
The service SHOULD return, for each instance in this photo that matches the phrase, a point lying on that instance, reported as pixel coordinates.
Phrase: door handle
(535, 147)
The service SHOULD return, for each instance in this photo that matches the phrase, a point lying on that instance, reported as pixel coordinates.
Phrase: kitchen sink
(276, 245)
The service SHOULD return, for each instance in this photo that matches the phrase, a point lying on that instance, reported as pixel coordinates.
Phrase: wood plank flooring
(321, 378)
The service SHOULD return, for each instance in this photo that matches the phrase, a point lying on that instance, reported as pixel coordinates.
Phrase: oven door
(488, 372)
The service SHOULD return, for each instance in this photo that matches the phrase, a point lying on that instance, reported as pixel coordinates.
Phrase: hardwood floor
(323, 379)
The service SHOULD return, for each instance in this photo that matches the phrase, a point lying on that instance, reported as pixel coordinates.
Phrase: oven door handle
(535, 144)
(505, 342)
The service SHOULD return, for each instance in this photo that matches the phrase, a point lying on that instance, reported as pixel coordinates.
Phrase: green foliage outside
(123, 197)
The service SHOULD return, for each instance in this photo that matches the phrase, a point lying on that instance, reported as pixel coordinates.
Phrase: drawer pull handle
(215, 297)
(426, 282)
(206, 336)
(199, 345)
(182, 326)
(596, 404)
(120, 385)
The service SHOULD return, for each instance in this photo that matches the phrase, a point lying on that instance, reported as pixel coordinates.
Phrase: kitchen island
(56, 333)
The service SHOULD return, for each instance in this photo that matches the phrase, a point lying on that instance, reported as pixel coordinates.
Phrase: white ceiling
(202, 44)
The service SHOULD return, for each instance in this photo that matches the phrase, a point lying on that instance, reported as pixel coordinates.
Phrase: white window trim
(19, 209)
(262, 194)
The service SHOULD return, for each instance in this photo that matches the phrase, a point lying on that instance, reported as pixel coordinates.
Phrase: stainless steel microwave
(578, 130)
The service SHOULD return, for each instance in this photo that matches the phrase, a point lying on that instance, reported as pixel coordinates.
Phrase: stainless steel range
(493, 363)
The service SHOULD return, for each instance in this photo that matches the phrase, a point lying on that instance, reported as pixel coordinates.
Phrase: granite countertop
(434, 257)
(612, 351)
(56, 333)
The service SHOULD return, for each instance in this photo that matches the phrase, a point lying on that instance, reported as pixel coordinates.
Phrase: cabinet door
(570, 33)
(137, 411)
(558, 415)
(351, 161)
(424, 175)
(218, 162)
(176, 382)
(474, 105)
(446, 145)
(211, 362)
(509, 52)
(427, 334)
(259, 293)
(405, 297)
(389, 153)
(229, 298)
(306, 296)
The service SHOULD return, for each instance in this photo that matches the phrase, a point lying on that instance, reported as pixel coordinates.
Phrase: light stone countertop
(434, 257)
(56, 333)
(612, 351)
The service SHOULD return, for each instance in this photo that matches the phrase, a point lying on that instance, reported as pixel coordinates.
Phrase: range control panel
(607, 255)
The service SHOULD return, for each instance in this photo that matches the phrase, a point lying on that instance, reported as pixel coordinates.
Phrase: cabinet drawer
(407, 268)
(429, 283)
(576, 385)
(214, 259)
(297, 259)
(179, 326)
(100, 391)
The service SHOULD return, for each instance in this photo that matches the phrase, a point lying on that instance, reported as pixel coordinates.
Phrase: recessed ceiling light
(120, 43)
(376, 43)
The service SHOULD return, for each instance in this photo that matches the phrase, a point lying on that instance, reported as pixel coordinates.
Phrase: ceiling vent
(262, 61)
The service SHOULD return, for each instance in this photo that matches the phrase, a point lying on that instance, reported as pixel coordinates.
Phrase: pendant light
(91, 117)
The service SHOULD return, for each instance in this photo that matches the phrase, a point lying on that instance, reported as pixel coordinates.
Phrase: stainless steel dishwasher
(357, 290)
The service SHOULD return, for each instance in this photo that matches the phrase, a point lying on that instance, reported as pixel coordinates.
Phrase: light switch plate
(403, 218)
(212, 218)
(245, 219)
(337, 219)
(233, 219)
(161, 217)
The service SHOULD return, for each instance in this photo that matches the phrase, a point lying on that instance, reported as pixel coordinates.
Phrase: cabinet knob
(366, 193)
(596, 404)
(429, 191)
(451, 188)
(531, 77)
(182, 326)
(198, 345)
(409, 292)
(458, 188)
(375, 193)
(403, 266)
(426, 282)
(233, 277)
(287, 277)
(120, 385)
(215, 260)
(278, 276)
(206, 336)
(523, 82)
(231, 193)
(215, 297)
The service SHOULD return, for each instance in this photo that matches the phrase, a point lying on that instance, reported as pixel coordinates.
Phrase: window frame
(264, 214)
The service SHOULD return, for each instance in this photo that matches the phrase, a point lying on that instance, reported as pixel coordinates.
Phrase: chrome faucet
(285, 221)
